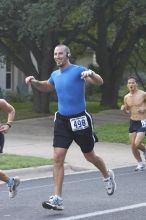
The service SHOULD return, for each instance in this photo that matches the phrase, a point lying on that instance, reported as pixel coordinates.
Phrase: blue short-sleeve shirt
(70, 89)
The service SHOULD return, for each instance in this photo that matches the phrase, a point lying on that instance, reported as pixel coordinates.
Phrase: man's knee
(137, 145)
(89, 156)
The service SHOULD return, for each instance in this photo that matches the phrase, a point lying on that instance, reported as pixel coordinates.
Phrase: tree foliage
(113, 29)
(36, 26)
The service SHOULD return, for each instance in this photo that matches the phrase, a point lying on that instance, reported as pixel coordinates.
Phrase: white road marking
(108, 211)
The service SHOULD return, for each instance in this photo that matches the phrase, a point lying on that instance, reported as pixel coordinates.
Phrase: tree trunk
(110, 89)
(40, 101)
(109, 96)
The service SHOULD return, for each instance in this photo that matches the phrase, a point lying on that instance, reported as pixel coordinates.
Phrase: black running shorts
(2, 140)
(137, 126)
(76, 127)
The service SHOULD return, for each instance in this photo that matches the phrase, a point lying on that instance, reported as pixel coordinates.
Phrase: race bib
(143, 122)
(79, 123)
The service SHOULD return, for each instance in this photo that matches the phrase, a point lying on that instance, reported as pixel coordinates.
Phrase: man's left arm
(92, 77)
(9, 109)
(142, 108)
(145, 96)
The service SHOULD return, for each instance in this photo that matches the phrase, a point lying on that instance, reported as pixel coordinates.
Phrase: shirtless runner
(135, 105)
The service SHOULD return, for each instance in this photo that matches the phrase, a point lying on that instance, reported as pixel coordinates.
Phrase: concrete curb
(41, 171)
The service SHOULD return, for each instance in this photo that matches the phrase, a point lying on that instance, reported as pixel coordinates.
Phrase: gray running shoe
(55, 203)
(139, 167)
(12, 186)
(110, 184)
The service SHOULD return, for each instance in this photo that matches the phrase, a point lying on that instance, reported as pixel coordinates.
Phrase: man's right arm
(92, 77)
(42, 86)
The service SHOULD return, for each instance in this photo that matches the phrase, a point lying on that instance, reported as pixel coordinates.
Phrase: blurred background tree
(113, 29)
(37, 27)
(114, 34)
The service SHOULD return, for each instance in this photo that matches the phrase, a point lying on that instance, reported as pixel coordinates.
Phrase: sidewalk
(33, 137)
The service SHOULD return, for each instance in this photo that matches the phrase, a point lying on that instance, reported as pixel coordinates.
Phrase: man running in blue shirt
(72, 122)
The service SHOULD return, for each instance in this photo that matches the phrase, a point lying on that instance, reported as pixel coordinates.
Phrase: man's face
(132, 85)
(60, 56)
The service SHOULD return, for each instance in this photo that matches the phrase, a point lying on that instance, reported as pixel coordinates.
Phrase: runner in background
(135, 105)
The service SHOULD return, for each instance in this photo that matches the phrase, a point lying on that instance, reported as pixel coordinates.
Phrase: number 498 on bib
(79, 123)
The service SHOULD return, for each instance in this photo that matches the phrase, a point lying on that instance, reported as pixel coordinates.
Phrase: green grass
(115, 133)
(24, 110)
(92, 107)
(10, 161)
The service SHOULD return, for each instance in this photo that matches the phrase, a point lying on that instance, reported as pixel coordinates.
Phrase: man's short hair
(67, 50)
(132, 77)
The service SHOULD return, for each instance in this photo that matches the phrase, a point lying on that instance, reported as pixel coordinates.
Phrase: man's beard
(60, 64)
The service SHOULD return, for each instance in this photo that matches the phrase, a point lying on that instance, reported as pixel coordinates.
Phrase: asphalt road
(84, 198)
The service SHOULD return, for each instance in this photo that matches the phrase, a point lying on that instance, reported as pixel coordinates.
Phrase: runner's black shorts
(83, 135)
(137, 126)
(2, 140)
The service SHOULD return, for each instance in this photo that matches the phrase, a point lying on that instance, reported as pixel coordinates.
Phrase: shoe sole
(46, 205)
